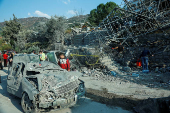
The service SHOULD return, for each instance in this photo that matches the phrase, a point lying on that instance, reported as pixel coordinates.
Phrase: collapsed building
(140, 23)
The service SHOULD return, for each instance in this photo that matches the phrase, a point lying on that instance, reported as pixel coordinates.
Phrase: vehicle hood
(51, 81)
(52, 76)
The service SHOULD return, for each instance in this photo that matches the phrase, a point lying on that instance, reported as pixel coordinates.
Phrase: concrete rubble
(115, 76)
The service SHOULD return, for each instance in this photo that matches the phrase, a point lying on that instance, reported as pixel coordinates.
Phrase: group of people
(6, 59)
(64, 63)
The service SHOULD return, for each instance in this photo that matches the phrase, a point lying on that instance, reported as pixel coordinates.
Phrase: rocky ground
(135, 92)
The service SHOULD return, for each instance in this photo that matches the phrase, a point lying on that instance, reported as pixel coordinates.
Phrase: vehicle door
(14, 78)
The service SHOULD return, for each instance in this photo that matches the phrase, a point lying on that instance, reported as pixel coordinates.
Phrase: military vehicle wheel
(27, 104)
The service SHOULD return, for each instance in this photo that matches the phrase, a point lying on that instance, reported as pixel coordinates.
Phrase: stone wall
(93, 38)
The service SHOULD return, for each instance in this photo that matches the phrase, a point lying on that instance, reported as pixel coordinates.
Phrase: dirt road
(126, 88)
(11, 104)
(126, 94)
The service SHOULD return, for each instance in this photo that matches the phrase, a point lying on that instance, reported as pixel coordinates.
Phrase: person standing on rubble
(144, 58)
(119, 48)
(120, 53)
(64, 62)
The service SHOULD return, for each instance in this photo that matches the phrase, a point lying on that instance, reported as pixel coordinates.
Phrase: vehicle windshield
(33, 58)
(51, 57)
(26, 58)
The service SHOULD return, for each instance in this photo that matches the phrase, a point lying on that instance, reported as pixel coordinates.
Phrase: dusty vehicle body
(43, 85)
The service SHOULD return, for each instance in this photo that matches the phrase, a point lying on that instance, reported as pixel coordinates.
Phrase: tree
(56, 28)
(22, 39)
(11, 28)
(102, 10)
(4, 46)
(1, 33)
(39, 37)
(30, 49)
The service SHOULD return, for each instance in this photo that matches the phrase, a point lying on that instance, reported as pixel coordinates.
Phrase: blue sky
(47, 8)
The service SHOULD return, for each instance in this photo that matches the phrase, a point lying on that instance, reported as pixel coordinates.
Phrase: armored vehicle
(43, 85)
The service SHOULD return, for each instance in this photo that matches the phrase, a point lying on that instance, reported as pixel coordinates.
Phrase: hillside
(27, 23)
(77, 19)
(30, 22)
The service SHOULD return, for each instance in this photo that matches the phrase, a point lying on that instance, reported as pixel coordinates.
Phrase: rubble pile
(108, 69)
(126, 62)
(135, 30)
(138, 28)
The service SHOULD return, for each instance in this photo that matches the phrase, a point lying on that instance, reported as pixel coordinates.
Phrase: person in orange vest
(5, 56)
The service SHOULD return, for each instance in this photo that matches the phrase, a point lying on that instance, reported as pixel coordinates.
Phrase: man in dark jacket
(144, 58)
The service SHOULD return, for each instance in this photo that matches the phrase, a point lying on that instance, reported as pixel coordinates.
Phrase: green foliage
(30, 49)
(28, 45)
(56, 28)
(17, 49)
(11, 28)
(22, 38)
(1, 33)
(4, 46)
(41, 36)
(102, 10)
(1, 41)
